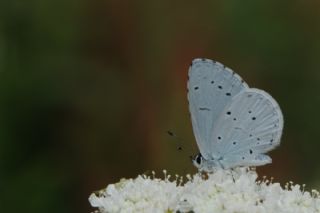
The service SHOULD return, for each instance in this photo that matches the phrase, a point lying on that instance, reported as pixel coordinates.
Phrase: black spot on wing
(204, 109)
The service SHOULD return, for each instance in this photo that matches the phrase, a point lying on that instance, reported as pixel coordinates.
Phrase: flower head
(221, 191)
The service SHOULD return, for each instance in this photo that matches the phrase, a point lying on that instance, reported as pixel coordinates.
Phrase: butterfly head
(197, 161)
(205, 165)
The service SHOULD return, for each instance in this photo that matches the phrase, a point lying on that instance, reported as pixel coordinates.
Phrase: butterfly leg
(232, 175)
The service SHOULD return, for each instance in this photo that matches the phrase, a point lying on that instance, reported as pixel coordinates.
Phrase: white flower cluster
(222, 191)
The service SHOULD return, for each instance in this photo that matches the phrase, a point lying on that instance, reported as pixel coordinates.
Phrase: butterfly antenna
(170, 133)
(179, 141)
(180, 148)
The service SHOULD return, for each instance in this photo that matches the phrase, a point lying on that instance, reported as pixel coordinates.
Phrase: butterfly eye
(198, 159)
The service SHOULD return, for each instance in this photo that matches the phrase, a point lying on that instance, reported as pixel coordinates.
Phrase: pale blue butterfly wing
(211, 87)
(250, 125)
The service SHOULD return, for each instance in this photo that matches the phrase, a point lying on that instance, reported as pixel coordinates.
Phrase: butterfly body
(234, 125)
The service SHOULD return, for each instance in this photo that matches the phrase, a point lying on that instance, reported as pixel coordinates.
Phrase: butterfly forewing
(211, 87)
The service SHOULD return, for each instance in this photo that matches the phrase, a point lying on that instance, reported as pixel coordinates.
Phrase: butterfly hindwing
(211, 87)
(250, 125)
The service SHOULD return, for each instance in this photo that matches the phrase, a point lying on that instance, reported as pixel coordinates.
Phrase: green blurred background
(88, 89)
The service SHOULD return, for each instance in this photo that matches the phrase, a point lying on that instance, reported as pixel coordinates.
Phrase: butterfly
(234, 125)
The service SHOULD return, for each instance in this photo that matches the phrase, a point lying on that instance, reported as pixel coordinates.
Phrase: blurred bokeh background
(88, 89)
